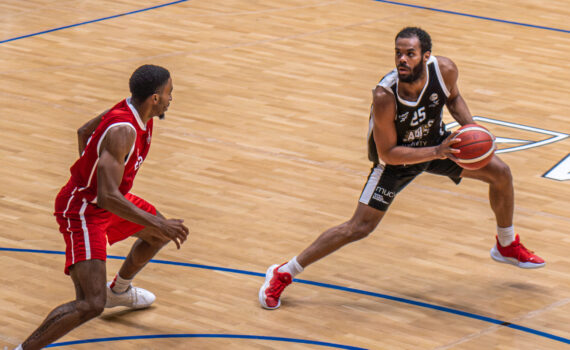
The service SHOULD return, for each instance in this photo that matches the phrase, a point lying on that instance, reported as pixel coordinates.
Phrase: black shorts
(385, 181)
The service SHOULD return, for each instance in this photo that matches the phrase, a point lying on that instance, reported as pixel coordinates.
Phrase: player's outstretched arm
(455, 103)
(385, 137)
(115, 147)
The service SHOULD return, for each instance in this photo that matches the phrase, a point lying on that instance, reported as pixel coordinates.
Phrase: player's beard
(415, 74)
(162, 116)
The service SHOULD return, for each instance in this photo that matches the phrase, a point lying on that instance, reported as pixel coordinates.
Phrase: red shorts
(86, 227)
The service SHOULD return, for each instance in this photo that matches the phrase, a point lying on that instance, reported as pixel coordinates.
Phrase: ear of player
(477, 146)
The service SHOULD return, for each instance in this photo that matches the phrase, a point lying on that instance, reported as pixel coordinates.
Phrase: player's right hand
(444, 150)
(175, 230)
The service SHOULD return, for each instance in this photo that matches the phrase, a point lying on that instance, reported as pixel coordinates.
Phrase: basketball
(477, 146)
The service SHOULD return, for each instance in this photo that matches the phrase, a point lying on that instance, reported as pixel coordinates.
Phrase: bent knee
(502, 173)
(91, 308)
(506, 172)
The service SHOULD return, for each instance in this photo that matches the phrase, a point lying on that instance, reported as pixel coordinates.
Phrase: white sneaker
(133, 297)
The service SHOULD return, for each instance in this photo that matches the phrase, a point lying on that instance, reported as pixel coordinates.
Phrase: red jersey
(84, 171)
(85, 226)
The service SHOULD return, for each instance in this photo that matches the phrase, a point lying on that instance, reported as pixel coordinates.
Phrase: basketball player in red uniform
(407, 136)
(95, 206)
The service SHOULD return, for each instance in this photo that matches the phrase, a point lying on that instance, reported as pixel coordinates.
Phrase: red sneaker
(516, 254)
(275, 283)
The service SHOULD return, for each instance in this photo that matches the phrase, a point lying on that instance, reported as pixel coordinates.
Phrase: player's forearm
(400, 155)
(459, 110)
(117, 204)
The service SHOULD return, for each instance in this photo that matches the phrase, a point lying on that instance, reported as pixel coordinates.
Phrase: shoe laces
(277, 284)
(522, 251)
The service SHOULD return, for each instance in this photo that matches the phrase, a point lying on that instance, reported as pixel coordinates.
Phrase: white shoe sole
(268, 277)
(512, 261)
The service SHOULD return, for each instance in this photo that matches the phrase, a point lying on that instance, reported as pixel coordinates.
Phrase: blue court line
(230, 336)
(93, 21)
(473, 16)
(332, 286)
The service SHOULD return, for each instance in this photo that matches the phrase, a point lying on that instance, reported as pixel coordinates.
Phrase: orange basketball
(477, 146)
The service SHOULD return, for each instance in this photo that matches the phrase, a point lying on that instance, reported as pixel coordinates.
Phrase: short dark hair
(422, 35)
(147, 80)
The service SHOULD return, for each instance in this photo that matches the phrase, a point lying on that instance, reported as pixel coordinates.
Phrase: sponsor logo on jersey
(402, 117)
(434, 98)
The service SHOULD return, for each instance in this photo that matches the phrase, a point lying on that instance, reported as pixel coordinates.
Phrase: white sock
(293, 267)
(119, 284)
(506, 235)
(19, 347)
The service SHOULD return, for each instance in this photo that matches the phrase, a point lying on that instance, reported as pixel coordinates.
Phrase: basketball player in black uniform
(407, 136)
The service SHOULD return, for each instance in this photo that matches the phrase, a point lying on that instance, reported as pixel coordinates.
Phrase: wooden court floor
(264, 147)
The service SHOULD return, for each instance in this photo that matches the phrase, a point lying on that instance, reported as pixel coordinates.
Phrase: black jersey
(418, 123)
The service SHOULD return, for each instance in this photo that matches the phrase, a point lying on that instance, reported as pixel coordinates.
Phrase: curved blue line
(332, 286)
(473, 16)
(230, 336)
(92, 21)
